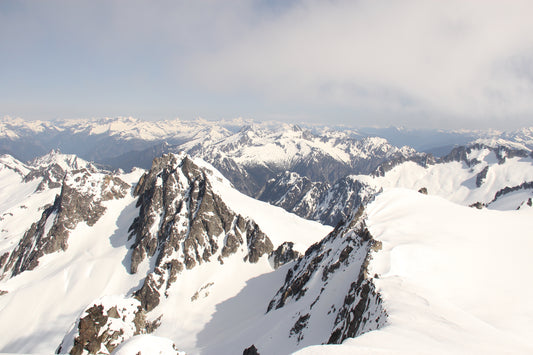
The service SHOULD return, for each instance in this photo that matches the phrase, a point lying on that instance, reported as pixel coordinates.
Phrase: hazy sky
(449, 64)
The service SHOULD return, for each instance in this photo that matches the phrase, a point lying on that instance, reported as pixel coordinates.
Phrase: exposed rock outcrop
(104, 325)
(477, 205)
(317, 201)
(294, 193)
(423, 190)
(182, 223)
(80, 200)
(283, 254)
(480, 178)
(252, 350)
(343, 255)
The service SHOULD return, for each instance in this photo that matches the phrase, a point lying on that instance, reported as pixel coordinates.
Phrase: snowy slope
(466, 182)
(497, 178)
(43, 303)
(43, 306)
(453, 279)
(25, 189)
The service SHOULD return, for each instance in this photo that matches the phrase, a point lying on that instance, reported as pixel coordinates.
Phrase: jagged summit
(183, 223)
(64, 161)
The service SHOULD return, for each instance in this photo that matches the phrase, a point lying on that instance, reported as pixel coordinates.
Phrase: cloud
(390, 62)
(453, 58)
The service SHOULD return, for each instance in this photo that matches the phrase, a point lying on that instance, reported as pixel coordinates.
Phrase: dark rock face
(3, 259)
(183, 223)
(422, 159)
(477, 205)
(89, 329)
(480, 178)
(356, 316)
(301, 324)
(344, 197)
(507, 190)
(318, 201)
(283, 255)
(149, 294)
(344, 253)
(82, 193)
(106, 326)
(293, 193)
(460, 154)
(258, 243)
(423, 190)
(252, 350)
(51, 177)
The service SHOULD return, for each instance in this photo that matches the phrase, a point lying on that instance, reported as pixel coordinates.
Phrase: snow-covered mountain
(252, 156)
(477, 175)
(174, 258)
(122, 251)
(439, 142)
(259, 152)
(102, 139)
(248, 155)
(454, 280)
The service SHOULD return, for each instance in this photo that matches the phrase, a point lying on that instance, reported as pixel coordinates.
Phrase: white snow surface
(456, 181)
(455, 280)
(19, 205)
(65, 161)
(147, 344)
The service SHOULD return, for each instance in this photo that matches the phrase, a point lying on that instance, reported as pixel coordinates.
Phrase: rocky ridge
(183, 223)
(328, 287)
(80, 200)
(104, 325)
(329, 204)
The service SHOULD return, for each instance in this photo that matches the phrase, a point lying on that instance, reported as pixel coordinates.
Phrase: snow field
(454, 279)
(46, 301)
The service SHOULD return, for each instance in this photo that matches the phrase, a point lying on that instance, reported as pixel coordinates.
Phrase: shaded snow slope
(453, 279)
(324, 297)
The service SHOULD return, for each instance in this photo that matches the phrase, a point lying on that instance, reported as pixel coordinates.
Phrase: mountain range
(236, 237)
